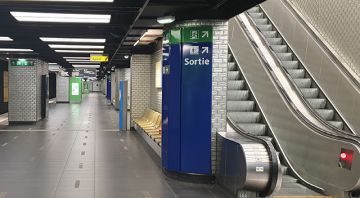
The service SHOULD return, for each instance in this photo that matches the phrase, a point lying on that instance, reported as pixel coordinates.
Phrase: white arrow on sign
(205, 34)
(205, 50)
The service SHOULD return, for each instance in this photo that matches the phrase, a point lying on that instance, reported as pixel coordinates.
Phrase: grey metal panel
(312, 155)
(331, 78)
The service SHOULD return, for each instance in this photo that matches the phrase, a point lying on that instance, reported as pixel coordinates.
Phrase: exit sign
(22, 63)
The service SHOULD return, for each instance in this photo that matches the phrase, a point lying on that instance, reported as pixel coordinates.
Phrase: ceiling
(130, 19)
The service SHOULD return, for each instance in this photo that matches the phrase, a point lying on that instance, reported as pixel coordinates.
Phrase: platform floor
(78, 152)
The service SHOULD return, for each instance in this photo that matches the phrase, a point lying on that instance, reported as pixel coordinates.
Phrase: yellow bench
(150, 123)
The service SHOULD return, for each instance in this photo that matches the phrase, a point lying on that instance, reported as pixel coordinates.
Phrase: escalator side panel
(311, 155)
(338, 88)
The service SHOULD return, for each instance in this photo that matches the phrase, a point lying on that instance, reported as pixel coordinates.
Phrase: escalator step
(256, 15)
(288, 179)
(269, 34)
(296, 73)
(290, 64)
(279, 48)
(337, 124)
(274, 41)
(267, 138)
(234, 75)
(236, 84)
(303, 82)
(238, 95)
(230, 58)
(254, 129)
(285, 56)
(310, 92)
(261, 21)
(231, 66)
(265, 27)
(240, 105)
(317, 103)
(254, 9)
(284, 169)
(327, 114)
(245, 117)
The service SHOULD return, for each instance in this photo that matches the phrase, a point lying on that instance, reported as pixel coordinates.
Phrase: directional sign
(99, 58)
(202, 34)
(22, 62)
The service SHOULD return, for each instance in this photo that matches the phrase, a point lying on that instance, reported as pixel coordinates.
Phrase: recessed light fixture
(60, 17)
(166, 19)
(79, 51)
(126, 56)
(76, 46)
(15, 50)
(73, 40)
(5, 38)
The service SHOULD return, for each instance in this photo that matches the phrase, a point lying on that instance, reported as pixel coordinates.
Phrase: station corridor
(79, 152)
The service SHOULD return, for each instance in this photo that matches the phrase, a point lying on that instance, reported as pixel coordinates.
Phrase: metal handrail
(275, 163)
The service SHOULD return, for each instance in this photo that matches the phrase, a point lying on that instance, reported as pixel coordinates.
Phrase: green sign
(75, 89)
(22, 62)
(202, 34)
(175, 36)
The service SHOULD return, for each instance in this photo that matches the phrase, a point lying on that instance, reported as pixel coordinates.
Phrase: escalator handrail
(351, 77)
(278, 62)
(292, 84)
(346, 138)
(275, 163)
(327, 98)
(302, 180)
(339, 133)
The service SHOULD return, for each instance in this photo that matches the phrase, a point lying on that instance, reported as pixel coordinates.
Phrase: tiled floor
(78, 152)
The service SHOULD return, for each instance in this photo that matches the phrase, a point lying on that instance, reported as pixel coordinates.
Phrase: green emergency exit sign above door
(202, 34)
(22, 63)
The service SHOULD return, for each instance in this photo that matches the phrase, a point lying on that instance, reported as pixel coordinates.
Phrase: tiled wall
(25, 92)
(337, 23)
(62, 89)
(140, 84)
(156, 93)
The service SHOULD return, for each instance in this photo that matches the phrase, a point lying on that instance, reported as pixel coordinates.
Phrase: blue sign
(121, 106)
(196, 108)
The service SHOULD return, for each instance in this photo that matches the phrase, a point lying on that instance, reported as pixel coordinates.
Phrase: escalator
(258, 109)
(296, 70)
(243, 111)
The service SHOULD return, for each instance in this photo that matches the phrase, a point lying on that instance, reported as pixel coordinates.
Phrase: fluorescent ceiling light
(52, 63)
(5, 38)
(79, 51)
(86, 66)
(165, 19)
(60, 17)
(87, 58)
(73, 40)
(77, 60)
(86, 1)
(15, 50)
(76, 46)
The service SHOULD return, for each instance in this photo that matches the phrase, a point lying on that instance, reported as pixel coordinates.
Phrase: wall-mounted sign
(99, 58)
(22, 62)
